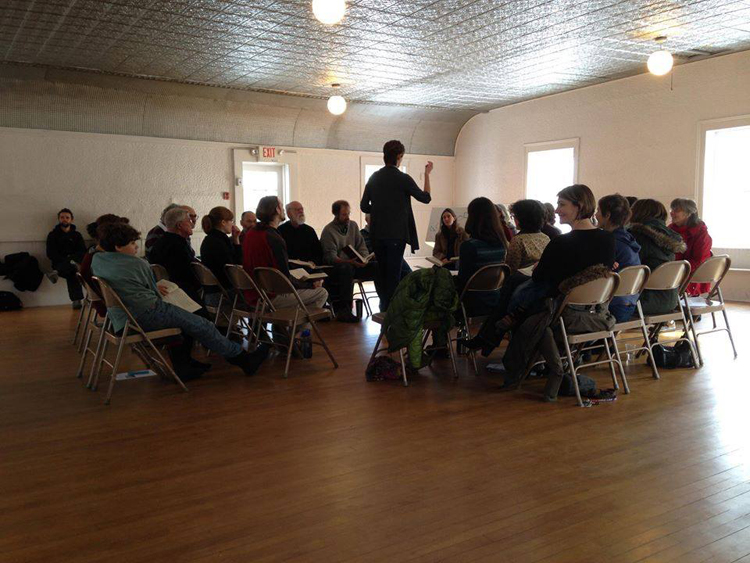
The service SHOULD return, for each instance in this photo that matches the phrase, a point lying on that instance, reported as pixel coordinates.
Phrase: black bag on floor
(9, 301)
(586, 385)
(673, 357)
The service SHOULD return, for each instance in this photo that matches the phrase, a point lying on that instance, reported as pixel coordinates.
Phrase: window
(550, 167)
(726, 185)
(260, 180)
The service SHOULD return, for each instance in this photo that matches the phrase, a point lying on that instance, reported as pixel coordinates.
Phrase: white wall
(137, 177)
(637, 136)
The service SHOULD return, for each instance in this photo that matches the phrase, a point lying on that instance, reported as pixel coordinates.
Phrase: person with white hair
(173, 251)
(158, 231)
(687, 222)
(302, 241)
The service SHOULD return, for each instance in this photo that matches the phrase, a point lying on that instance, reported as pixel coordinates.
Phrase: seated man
(264, 247)
(247, 221)
(335, 238)
(65, 249)
(173, 251)
(158, 231)
(301, 240)
(133, 281)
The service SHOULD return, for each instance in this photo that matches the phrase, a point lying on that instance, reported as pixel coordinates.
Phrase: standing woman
(220, 247)
(487, 245)
(687, 222)
(448, 240)
(508, 227)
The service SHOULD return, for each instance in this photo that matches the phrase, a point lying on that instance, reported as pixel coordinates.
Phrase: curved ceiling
(450, 54)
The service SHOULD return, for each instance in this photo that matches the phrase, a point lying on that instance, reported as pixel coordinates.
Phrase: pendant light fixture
(660, 62)
(329, 12)
(336, 103)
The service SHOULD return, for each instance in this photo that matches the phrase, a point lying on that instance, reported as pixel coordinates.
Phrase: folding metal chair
(83, 315)
(428, 329)
(591, 294)
(633, 280)
(271, 281)
(242, 310)
(91, 324)
(487, 278)
(208, 281)
(670, 276)
(712, 271)
(160, 272)
(132, 335)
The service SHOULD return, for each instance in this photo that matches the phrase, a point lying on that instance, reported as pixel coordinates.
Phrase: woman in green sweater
(131, 277)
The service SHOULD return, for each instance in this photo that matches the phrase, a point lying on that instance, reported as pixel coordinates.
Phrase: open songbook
(178, 297)
(303, 275)
(306, 264)
(352, 253)
(439, 262)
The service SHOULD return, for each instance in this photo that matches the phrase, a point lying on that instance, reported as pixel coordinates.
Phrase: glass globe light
(660, 63)
(336, 105)
(329, 12)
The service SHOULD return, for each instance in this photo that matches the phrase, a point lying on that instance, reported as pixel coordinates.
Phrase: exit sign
(269, 153)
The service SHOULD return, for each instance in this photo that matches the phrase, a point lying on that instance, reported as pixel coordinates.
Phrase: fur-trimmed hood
(591, 273)
(661, 235)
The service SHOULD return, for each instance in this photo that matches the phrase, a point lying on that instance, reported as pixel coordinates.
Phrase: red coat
(699, 244)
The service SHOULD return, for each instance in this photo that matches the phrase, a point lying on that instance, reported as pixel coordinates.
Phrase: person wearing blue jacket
(612, 214)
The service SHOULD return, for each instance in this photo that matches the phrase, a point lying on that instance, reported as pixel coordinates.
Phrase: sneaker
(77, 304)
(52, 276)
(200, 366)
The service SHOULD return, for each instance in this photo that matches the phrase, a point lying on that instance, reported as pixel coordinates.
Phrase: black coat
(174, 253)
(387, 198)
(217, 251)
(658, 245)
(64, 247)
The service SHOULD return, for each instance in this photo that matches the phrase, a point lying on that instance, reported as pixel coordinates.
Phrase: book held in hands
(303, 275)
(178, 297)
(352, 253)
(439, 262)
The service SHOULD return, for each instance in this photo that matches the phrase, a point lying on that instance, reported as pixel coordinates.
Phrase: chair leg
(164, 364)
(80, 322)
(86, 350)
(403, 366)
(571, 365)
(101, 349)
(625, 385)
(377, 344)
(729, 332)
(115, 365)
(292, 334)
(693, 351)
(314, 325)
(453, 358)
(611, 363)
(85, 326)
(690, 328)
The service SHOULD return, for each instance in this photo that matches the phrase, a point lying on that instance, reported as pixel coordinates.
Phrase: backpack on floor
(23, 270)
(9, 301)
(586, 385)
(672, 357)
(382, 368)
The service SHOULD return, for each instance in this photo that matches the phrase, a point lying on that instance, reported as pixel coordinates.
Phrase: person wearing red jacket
(687, 222)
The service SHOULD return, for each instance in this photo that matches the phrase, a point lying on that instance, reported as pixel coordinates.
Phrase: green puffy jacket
(424, 296)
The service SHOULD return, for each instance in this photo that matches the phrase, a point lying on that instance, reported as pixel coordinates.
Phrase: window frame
(703, 128)
(574, 143)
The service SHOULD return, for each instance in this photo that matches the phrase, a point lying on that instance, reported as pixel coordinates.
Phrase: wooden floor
(327, 467)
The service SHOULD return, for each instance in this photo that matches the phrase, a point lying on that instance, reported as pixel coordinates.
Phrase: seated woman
(549, 228)
(487, 245)
(563, 257)
(448, 239)
(584, 254)
(612, 215)
(131, 277)
(687, 222)
(220, 247)
(524, 251)
(659, 244)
